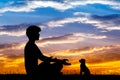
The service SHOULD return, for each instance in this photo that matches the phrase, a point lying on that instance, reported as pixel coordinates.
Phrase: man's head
(33, 32)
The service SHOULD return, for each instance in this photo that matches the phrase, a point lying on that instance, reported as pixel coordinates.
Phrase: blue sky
(59, 17)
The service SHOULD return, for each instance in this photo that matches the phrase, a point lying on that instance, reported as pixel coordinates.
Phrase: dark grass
(64, 77)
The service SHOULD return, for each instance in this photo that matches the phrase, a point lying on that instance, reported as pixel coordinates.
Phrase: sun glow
(96, 63)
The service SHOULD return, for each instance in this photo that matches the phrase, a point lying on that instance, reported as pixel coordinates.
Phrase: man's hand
(65, 62)
(62, 61)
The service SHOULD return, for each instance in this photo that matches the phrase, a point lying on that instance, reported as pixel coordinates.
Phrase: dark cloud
(10, 50)
(2, 46)
(48, 0)
(14, 27)
(14, 30)
(102, 57)
(14, 55)
(6, 46)
(61, 1)
(107, 22)
(94, 55)
(107, 55)
(58, 38)
(107, 17)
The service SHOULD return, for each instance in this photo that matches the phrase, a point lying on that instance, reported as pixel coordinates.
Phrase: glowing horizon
(110, 65)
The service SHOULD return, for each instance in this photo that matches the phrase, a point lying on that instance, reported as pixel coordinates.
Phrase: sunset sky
(72, 29)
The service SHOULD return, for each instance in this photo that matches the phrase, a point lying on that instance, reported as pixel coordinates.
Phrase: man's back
(31, 57)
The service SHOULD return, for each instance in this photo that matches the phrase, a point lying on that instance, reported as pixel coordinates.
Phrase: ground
(64, 77)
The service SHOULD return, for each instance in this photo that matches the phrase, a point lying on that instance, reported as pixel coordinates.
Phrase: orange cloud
(100, 60)
(112, 67)
(91, 54)
(13, 63)
(87, 50)
(10, 62)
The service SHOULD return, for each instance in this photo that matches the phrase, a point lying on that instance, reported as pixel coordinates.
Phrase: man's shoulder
(31, 46)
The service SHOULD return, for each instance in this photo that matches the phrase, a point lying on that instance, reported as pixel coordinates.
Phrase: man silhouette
(32, 53)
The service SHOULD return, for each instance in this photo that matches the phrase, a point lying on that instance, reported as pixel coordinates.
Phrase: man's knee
(58, 66)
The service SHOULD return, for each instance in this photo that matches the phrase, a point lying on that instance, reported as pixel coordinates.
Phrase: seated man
(32, 53)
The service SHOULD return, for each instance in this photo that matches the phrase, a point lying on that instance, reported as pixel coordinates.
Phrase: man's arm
(44, 58)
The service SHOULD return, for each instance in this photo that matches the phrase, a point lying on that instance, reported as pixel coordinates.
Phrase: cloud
(70, 38)
(29, 6)
(13, 46)
(13, 33)
(32, 5)
(78, 17)
(14, 30)
(107, 22)
(47, 45)
(82, 14)
(2, 58)
(12, 61)
(112, 3)
(93, 36)
(11, 65)
(61, 23)
(92, 54)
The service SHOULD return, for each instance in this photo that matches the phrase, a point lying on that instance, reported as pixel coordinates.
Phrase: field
(64, 77)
